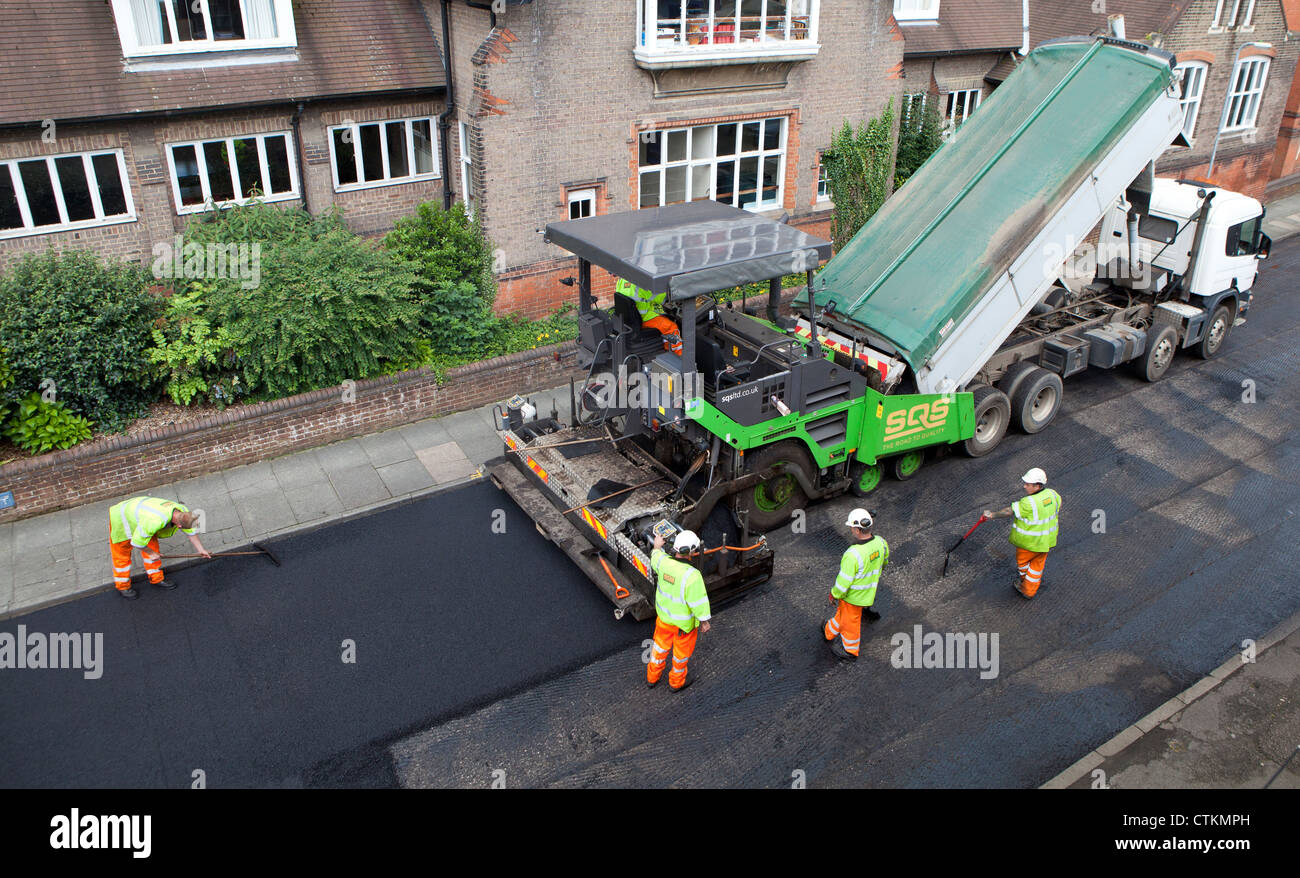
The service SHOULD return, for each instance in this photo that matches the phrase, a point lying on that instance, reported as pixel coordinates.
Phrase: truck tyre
(866, 478)
(904, 466)
(771, 503)
(1011, 380)
(992, 415)
(1037, 400)
(1216, 333)
(1159, 355)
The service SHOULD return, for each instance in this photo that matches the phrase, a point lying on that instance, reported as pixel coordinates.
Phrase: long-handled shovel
(982, 519)
(261, 550)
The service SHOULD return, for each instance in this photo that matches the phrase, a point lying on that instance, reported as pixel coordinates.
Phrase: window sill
(6, 234)
(380, 184)
(266, 199)
(655, 58)
(191, 60)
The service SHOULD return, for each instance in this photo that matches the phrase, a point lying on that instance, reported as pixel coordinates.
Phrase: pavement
(1282, 217)
(61, 555)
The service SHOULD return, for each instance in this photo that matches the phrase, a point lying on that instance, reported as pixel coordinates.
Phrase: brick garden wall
(244, 434)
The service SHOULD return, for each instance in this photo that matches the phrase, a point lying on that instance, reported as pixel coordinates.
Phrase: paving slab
(386, 448)
(342, 455)
(249, 476)
(42, 531)
(262, 510)
(358, 486)
(298, 470)
(312, 502)
(405, 477)
(424, 434)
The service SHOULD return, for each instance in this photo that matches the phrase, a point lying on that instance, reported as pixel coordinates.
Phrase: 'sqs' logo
(920, 417)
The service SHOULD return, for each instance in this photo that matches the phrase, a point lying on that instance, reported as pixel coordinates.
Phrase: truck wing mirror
(1265, 243)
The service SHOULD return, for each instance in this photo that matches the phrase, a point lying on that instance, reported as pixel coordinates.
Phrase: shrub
(38, 426)
(194, 358)
(444, 247)
(6, 381)
(859, 168)
(328, 306)
(920, 134)
(84, 325)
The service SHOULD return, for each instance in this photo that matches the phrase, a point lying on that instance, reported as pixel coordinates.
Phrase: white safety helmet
(1035, 477)
(860, 518)
(686, 541)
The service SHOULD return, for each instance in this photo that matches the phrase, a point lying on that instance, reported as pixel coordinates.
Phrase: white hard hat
(859, 518)
(1035, 477)
(686, 541)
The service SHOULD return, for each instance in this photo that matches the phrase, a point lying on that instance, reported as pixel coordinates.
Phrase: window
(694, 26)
(914, 110)
(467, 171)
(234, 170)
(736, 163)
(1192, 88)
(1157, 228)
(1233, 8)
(1243, 100)
(582, 203)
(72, 191)
(916, 10)
(1243, 238)
(823, 181)
(383, 153)
(165, 27)
(961, 104)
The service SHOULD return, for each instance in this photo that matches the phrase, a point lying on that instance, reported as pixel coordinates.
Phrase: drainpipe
(302, 164)
(444, 123)
(488, 6)
(1024, 17)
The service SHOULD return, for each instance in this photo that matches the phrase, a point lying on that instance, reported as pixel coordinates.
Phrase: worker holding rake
(1034, 530)
(137, 524)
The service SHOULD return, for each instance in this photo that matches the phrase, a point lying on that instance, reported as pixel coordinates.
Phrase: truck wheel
(1216, 334)
(992, 415)
(770, 503)
(1159, 355)
(904, 466)
(1037, 400)
(1011, 380)
(866, 478)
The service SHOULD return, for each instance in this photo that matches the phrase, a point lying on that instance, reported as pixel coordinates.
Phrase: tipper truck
(942, 323)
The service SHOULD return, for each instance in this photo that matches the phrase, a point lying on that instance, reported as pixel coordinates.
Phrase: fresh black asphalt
(239, 672)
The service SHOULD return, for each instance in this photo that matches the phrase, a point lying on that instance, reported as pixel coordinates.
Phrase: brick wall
(144, 143)
(244, 434)
(555, 97)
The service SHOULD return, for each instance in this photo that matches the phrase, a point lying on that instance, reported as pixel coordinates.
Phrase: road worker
(855, 587)
(137, 524)
(1034, 530)
(649, 305)
(681, 608)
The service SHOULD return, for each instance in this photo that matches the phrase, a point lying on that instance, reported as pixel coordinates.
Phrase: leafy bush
(457, 320)
(920, 134)
(444, 247)
(328, 306)
(6, 381)
(195, 359)
(38, 426)
(84, 325)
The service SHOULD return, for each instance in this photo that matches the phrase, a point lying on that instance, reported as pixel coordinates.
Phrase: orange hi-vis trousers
(670, 638)
(122, 563)
(666, 327)
(847, 623)
(1030, 564)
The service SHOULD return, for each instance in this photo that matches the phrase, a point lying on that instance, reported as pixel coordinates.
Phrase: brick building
(955, 53)
(1227, 83)
(1286, 157)
(121, 118)
(568, 108)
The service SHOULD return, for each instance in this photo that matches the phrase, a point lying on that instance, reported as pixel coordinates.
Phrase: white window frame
(723, 36)
(1248, 23)
(761, 154)
(1194, 99)
(128, 35)
(578, 196)
(823, 180)
(1217, 23)
(908, 100)
(10, 167)
(965, 103)
(916, 10)
(205, 183)
(387, 179)
(466, 170)
(1255, 69)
